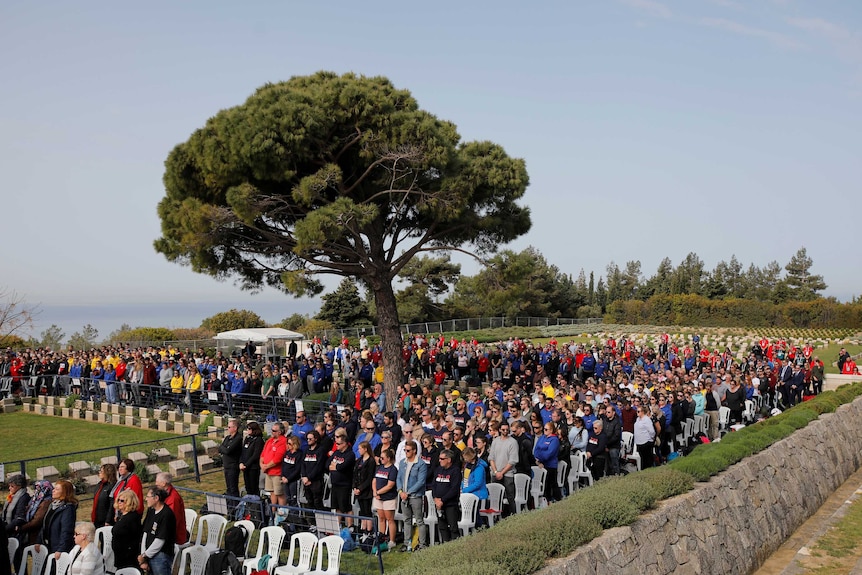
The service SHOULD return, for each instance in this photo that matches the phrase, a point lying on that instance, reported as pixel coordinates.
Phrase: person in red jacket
(849, 367)
(270, 463)
(177, 505)
(128, 480)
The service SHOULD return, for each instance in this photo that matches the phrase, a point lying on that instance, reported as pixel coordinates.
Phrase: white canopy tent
(263, 336)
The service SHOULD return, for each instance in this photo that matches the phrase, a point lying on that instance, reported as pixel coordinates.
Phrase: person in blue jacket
(546, 452)
(474, 481)
(411, 481)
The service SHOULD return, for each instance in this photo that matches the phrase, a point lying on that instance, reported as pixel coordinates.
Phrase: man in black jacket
(311, 470)
(446, 491)
(525, 448)
(597, 446)
(230, 450)
(614, 433)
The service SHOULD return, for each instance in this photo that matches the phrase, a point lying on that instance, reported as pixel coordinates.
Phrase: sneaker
(406, 549)
(419, 547)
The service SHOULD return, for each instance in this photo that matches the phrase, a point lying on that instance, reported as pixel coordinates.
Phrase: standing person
(385, 492)
(249, 459)
(88, 560)
(157, 545)
(271, 458)
(597, 450)
(817, 375)
(502, 460)
(412, 476)
(614, 431)
(644, 436)
(363, 476)
(547, 453)
(713, 402)
(230, 451)
(15, 509)
(475, 478)
(126, 532)
(128, 480)
(446, 492)
(340, 467)
(40, 502)
(103, 505)
(58, 528)
(175, 501)
(290, 470)
(312, 470)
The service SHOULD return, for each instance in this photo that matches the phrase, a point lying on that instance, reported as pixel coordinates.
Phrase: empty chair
(249, 529)
(104, 535)
(37, 557)
(195, 558)
(431, 519)
(213, 527)
(630, 454)
(748, 415)
(494, 507)
(191, 519)
(522, 491)
(723, 419)
(537, 487)
(562, 473)
(469, 512)
(12, 546)
(582, 472)
(128, 571)
(60, 565)
(268, 543)
(329, 546)
(299, 557)
(700, 423)
(327, 492)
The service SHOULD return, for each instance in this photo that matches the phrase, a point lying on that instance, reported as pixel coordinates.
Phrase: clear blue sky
(649, 128)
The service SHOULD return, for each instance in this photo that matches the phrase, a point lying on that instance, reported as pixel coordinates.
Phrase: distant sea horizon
(107, 318)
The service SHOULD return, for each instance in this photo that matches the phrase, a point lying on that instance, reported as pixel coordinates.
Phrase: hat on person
(456, 393)
(589, 393)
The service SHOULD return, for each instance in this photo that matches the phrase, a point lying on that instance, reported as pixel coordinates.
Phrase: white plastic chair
(562, 473)
(469, 511)
(196, 558)
(39, 559)
(327, 492)
(748, 415)
(128, 571)
(191, 519)
(494, 507)
(104, 536)
(12, 546)
(631, 454)
(522, 491)
(537, 487)
(399, 515)
(58, 566)
(700, 423)
(723, 419)
(268, 543)
(213, 525)
(582, 471)
(332, 545)
(249, 529)
(431, 519)
(302, 547)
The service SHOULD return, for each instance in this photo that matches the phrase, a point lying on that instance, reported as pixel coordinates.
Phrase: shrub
(603, 508)
(665, 481)
(631, 488)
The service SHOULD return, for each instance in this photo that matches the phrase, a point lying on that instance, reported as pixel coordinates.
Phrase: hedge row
(702, 311)
(521, 544)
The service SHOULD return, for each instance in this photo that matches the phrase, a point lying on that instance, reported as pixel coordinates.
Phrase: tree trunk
(390, 338)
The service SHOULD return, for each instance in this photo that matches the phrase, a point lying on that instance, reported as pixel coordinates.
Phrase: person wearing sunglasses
(126, 532)
(88, 559)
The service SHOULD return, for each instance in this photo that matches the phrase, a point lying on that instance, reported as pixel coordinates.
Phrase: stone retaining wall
(732, 523)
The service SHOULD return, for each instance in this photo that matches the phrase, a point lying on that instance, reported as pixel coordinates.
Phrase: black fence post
(195, 452)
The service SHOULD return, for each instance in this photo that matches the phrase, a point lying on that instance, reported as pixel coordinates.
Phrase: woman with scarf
(58, 528)
(15, 509)
(103, 504)
(128, 480)
(40, 502)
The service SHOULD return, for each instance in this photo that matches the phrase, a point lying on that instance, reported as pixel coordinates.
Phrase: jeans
(614, 460)
(414, 509)
(111, 392)
(162, 563)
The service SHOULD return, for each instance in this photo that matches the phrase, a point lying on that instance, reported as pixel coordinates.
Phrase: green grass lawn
(29, 435)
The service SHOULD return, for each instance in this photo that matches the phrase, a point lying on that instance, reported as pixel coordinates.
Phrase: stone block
(144, 423)
(213, 429)
(159, 413)
(43, 400)
(210, 447)
(153, 469)
(76, 414)
(101, 417)
(90, 415)
(130, 411)
(111, 459)
(79, 469)
(91, 405)
(163, 425)
(50, 410)
(178, 468)
(205, 462)
(92, 483)
(173, 416)
(9, 408)
(194, 428)
(49, 473)
(179, 427)
(185, 451)
(163, 454)
(219, 421)
(138, 457)
(189, 417)
(66, 412)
